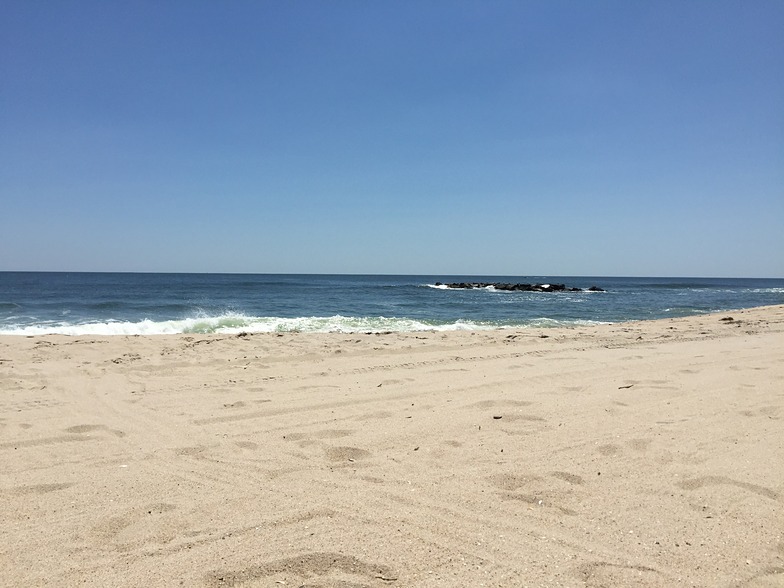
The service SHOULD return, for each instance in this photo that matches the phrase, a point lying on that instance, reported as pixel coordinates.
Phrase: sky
(487, 137)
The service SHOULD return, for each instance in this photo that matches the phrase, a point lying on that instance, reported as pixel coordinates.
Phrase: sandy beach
(634, 454)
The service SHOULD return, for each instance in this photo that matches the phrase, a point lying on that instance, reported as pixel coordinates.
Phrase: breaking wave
(236, 323)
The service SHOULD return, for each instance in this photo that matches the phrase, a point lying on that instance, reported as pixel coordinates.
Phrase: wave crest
(236, 323)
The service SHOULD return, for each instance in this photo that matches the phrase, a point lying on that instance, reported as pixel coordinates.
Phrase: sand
(636, 454)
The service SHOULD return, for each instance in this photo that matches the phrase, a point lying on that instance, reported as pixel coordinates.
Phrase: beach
(631, 454)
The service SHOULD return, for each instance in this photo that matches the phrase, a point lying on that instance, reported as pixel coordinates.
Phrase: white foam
(237, 323)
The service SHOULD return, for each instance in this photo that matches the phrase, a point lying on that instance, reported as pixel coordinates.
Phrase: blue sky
(441, 137)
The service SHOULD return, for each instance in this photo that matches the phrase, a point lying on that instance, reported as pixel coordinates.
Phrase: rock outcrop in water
(518, 287)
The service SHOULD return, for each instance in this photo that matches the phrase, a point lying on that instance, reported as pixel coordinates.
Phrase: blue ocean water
(33, 303)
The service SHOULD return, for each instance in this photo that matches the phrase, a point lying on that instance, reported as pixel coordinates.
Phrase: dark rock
(506, 287)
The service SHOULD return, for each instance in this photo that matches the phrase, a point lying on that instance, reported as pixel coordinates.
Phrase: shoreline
(565, 324)
(646, 453)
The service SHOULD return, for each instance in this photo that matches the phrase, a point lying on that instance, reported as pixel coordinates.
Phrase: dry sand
(637, 454)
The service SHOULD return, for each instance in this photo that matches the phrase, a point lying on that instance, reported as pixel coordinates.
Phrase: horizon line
(381, 274)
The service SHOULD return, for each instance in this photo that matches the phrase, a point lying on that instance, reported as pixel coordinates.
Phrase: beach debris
(496, 417)
(726, 319)
(625, 387)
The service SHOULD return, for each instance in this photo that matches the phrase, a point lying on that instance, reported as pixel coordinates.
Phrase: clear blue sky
(437, 137)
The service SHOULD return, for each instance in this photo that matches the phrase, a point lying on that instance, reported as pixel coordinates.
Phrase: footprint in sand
(567, 477)
(132, 528)
(639, 444)
(318, 569)
(38, 489)
(604, 573)
(346, 453)
(306, 439)
(695, 483)
(609, 449)
(246, 444)
(511, 481)
(80, 429)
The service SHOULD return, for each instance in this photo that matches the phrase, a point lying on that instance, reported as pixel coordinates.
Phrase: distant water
(34, 303)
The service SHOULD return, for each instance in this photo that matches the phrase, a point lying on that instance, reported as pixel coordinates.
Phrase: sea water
(35, 303)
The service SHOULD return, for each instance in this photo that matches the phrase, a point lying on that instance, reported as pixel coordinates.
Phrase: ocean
(37, 303)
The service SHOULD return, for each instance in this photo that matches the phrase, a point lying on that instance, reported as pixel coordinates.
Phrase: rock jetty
(519, 287)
